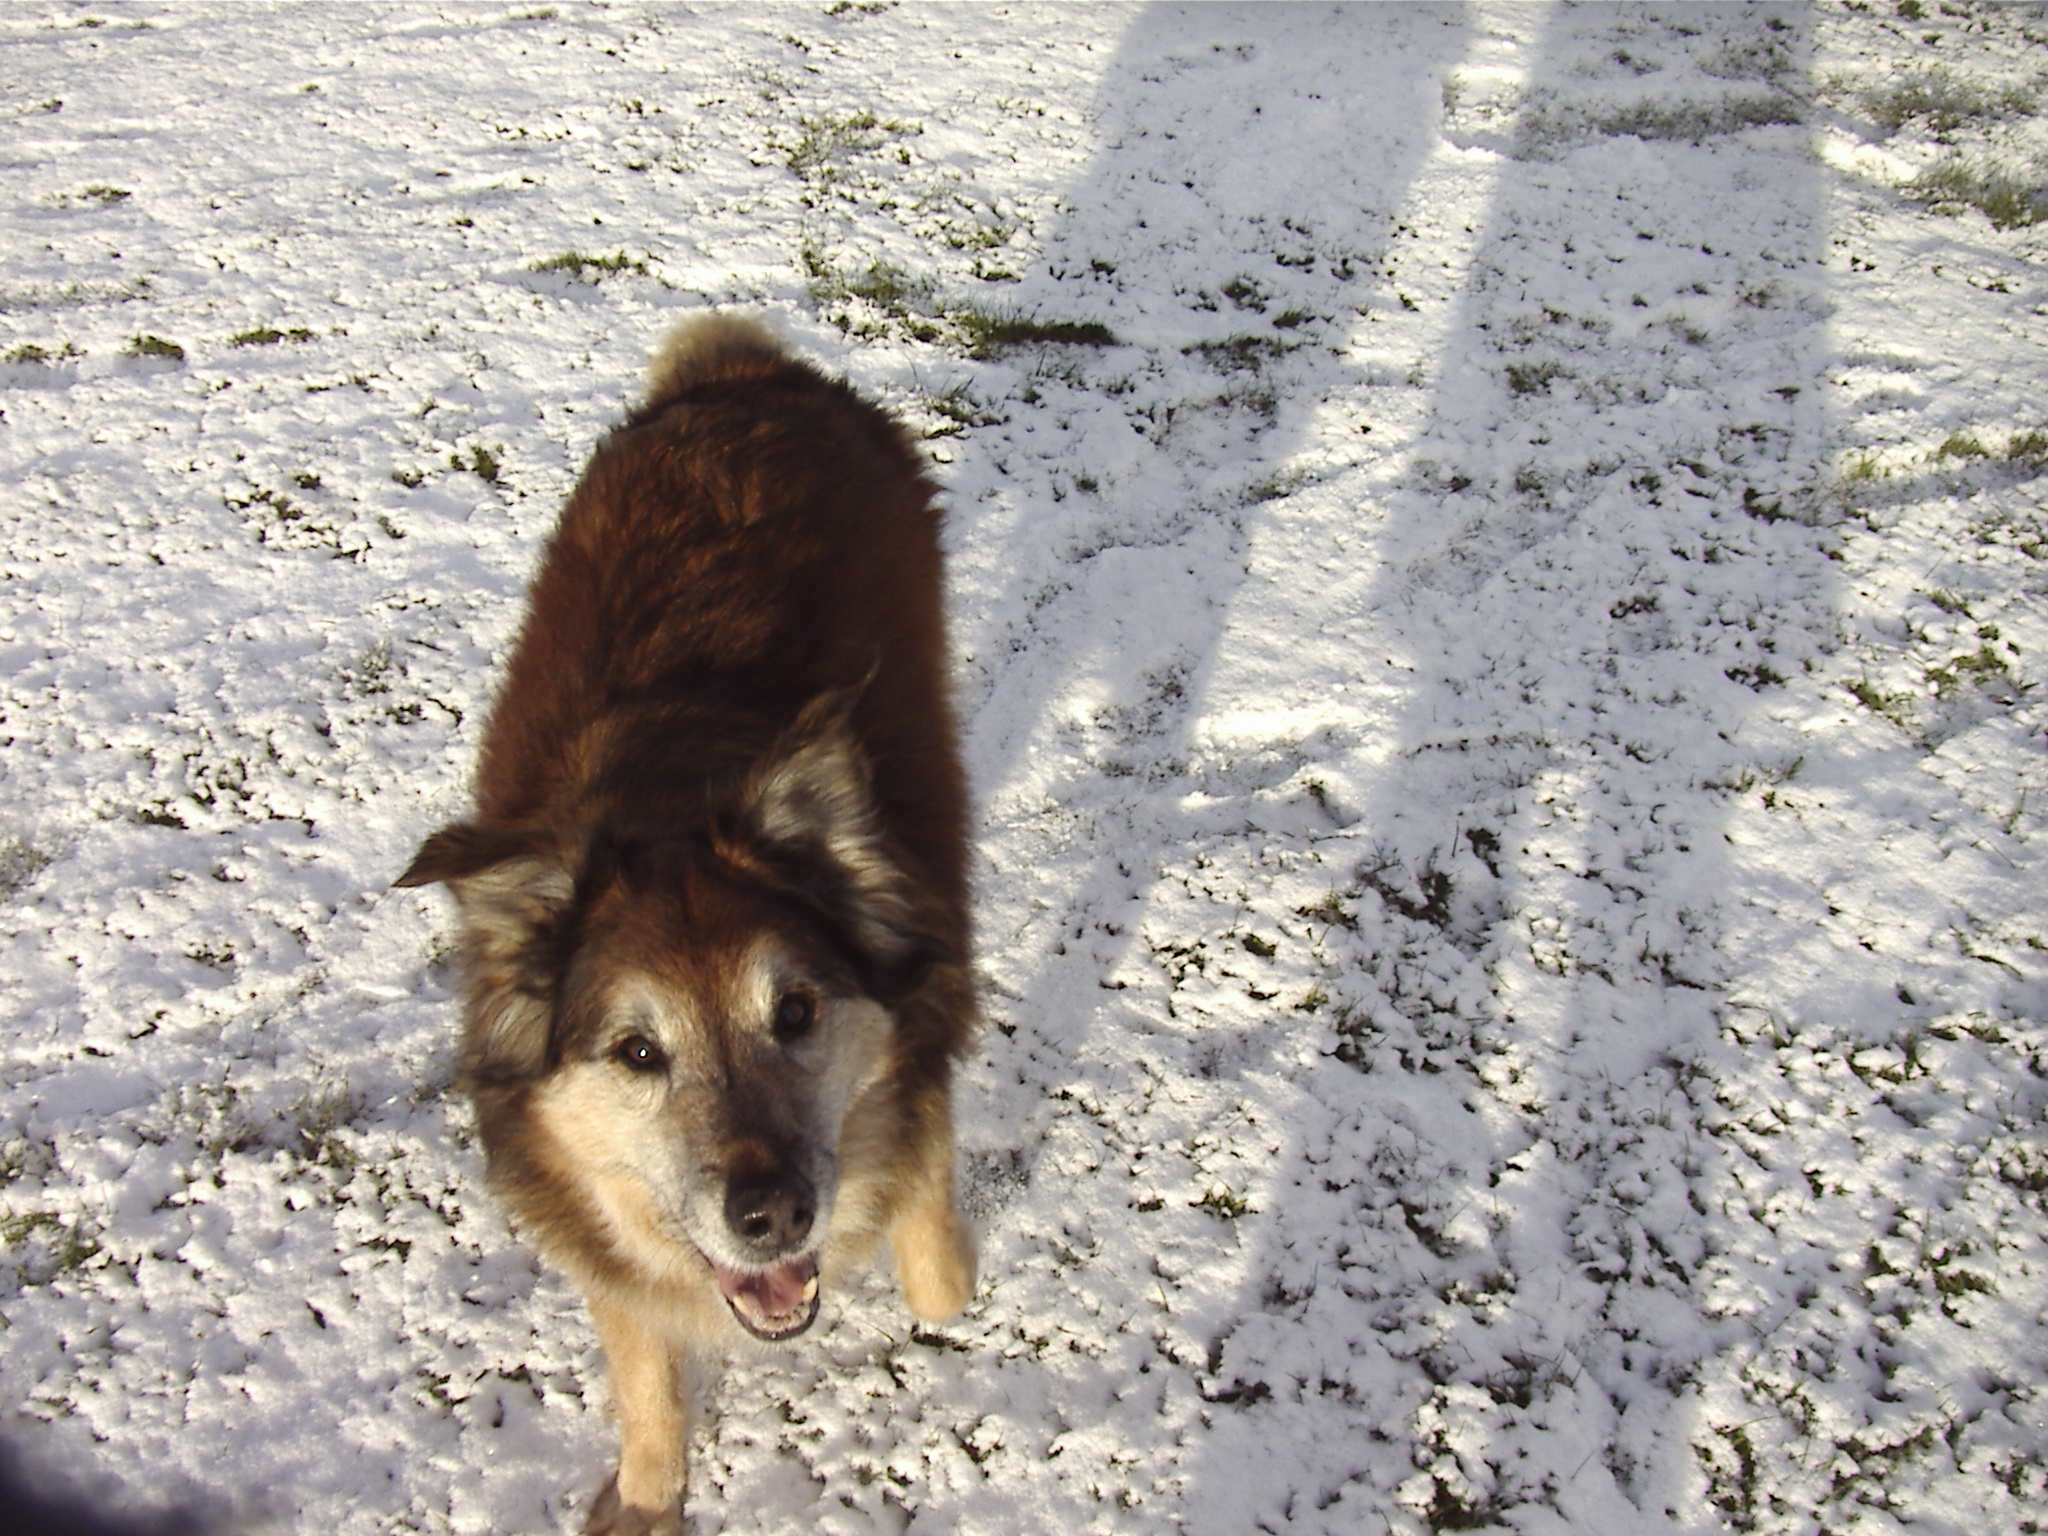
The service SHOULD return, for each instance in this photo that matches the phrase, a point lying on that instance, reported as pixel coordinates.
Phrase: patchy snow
(1506, 696)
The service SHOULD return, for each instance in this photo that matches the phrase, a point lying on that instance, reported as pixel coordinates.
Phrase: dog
(713, 895)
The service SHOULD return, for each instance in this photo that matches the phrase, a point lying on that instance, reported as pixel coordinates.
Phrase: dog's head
(684, 1015)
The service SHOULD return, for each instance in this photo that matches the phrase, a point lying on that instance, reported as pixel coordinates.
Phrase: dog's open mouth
(777, 1303)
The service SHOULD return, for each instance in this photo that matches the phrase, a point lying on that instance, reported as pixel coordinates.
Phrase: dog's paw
(612, 1516)
(935, 1256)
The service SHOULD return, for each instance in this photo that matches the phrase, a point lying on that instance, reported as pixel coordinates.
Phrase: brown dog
(714, 894)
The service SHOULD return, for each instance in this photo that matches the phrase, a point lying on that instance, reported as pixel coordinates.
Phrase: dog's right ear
(460, 849)
(516, 894)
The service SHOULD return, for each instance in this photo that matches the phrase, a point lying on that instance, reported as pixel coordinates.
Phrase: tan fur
(714, 893)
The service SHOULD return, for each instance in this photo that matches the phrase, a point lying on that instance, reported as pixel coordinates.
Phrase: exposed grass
(1533, 378)
(1943, 101)
(824, 142)
(2025, 446)
(99, 192)
(1949, 602)
(29, 352)
(268, 336)
(1984, 666)
(155, 346)
(1224, 1203)
(69, 1247)
(988, 333)
(1245, 293)
(1895, 707)
(1238, 353)
(1691, 122)
(960, 410)
(578, 263)
(482, 463)
(2009, 198)
(1961, 445)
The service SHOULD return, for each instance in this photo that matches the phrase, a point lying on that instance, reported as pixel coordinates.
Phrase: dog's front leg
(645, 1498)
(935, 1255)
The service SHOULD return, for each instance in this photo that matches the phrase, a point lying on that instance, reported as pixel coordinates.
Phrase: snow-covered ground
(1504, 677)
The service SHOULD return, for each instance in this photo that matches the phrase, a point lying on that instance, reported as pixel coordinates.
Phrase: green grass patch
(29, 352)
(1943, 101)
(1224, 1203)
(99, 192)
(68, 1246)
(482, 463)
(988, 333)
(155, 346)
(268, 336)
(1895, 707)
(580, 264)
(1236, 354)
(1961, 445)
(2028, 446)
(1534, 378)
(1693, 122)
(825, 141)
(1981, 666)
(2008, 198)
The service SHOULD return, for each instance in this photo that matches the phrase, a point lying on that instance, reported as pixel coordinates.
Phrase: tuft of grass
(577, 264)
(268, 336)
(1234, 354)
(2028, 445)
(155, 346)
(29, 352)
(1245, 293)
(960, 410)
(1223, 1203)
(1949, 602)
(1943, 101)
(824, 141)
(1983, 666)
(482, 463)
(988, 333)
(98, 192)
(1961, 445)
(1533, 378)
(2008, 198)
(69, 1246)
(1895, 707)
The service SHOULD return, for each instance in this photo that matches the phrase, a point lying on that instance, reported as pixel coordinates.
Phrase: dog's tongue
(774, 1303)
(778, 1292)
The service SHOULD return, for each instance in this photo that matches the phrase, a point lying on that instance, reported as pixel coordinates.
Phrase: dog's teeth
(811, 1288)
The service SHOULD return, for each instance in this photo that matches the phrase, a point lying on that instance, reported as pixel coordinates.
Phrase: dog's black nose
(770, 1213)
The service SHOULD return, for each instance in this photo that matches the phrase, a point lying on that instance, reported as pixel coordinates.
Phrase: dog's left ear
(808, 811)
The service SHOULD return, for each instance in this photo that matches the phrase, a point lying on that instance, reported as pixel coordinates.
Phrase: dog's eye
(640, 1054)
(794, 1016)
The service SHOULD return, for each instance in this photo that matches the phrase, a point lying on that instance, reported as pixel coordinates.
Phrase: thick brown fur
(714, 889)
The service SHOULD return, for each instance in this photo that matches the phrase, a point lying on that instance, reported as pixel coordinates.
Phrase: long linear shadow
(1239, 222)
(1481, 1283)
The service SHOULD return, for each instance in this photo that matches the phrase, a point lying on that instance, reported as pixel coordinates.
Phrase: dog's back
(752, 537)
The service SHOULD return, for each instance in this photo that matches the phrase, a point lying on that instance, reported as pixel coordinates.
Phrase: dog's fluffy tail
(708, 349)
